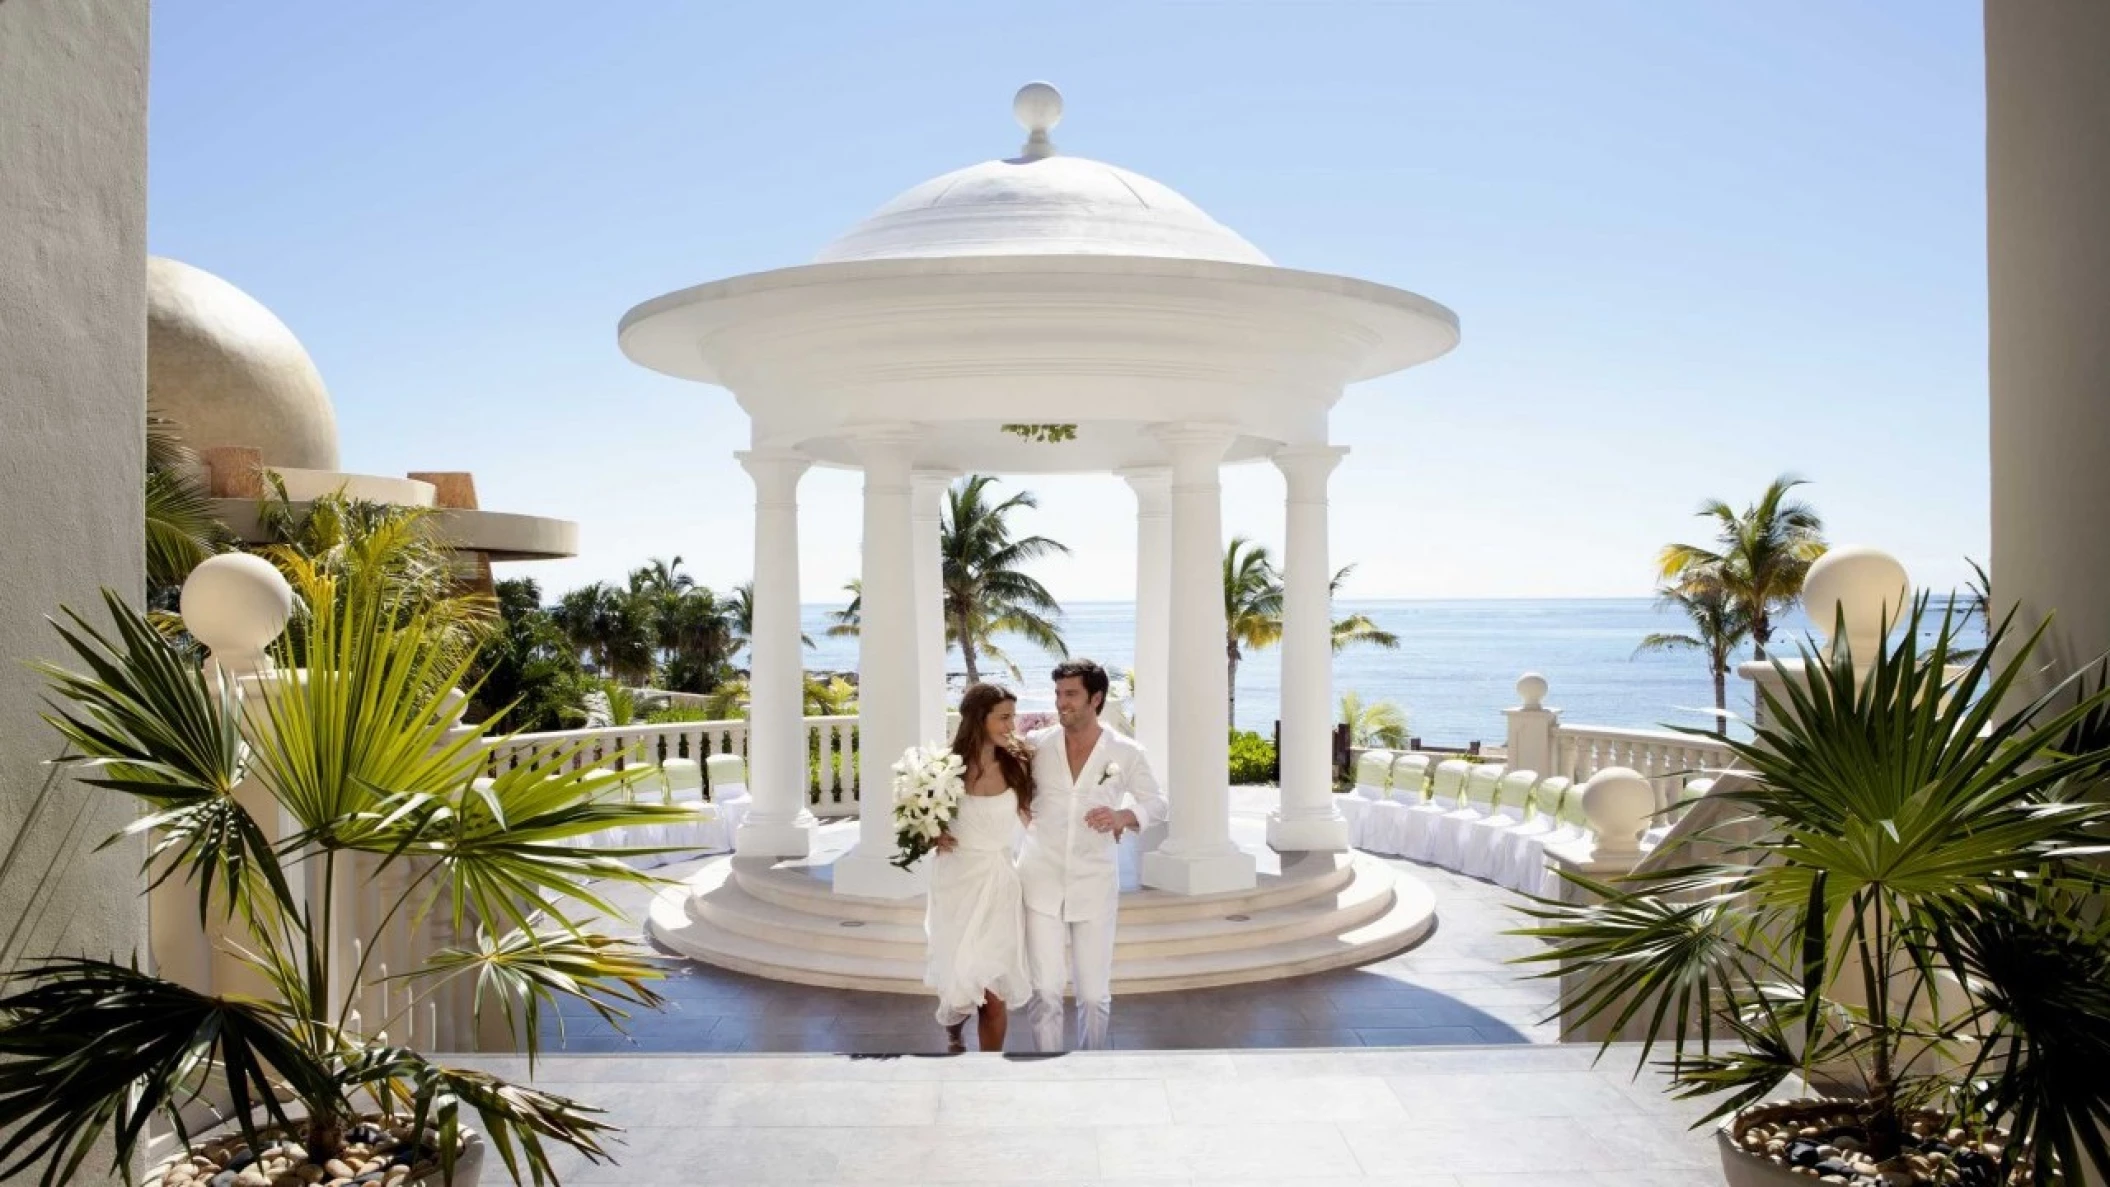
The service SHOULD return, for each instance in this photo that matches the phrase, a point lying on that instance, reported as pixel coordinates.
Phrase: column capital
(1153, 487)
(886, 449)
(776, 473)
(1308, 465)
(932, 478)
(1195, 436)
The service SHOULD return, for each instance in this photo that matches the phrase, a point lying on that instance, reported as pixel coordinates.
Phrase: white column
(889, 704)
(1198, 856)
(1153, 686)
(1307, 818)
(2048, 283)
(927, 494)
(778, 823)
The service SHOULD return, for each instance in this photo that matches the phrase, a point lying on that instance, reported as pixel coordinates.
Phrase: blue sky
(1692, 244)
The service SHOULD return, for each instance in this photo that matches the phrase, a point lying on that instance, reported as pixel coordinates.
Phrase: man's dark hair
(1095, 679)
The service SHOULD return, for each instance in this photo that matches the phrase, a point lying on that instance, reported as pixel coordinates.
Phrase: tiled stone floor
(1455, 989)
(1518, 1116)
(1431, 1069)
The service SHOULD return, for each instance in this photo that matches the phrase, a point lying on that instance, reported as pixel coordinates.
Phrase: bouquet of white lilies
(928, 783)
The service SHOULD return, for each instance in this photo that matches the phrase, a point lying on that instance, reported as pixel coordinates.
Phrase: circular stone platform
(782, 920)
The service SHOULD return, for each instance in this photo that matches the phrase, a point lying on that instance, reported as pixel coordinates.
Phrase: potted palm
(1913, 947)
(267, 796)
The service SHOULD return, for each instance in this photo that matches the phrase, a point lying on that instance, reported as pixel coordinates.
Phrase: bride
(972, 919)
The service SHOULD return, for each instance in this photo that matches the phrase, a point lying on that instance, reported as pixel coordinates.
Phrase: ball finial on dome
(1038, 108)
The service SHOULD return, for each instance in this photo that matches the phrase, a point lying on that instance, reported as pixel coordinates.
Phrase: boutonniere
(1112, 772)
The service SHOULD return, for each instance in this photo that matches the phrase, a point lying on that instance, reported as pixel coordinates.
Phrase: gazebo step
(724, 902)
(711, 918)
(805, 888)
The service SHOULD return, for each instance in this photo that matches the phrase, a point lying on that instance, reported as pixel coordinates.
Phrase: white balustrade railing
(831, 747)
(1665, 757)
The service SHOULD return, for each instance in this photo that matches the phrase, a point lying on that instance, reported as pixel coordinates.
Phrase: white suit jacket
(1066, 868)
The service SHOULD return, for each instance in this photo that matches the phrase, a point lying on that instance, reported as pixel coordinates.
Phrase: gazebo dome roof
(1040, 203)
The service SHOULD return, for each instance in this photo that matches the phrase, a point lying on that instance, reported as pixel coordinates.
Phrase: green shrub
(1252, 758)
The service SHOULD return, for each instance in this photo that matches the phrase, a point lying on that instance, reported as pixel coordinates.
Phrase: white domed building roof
(1051, 205)
(1040, 203)
(1040, 288)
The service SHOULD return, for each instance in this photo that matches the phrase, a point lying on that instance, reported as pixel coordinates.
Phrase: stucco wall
(72, 408)
(2048, 238)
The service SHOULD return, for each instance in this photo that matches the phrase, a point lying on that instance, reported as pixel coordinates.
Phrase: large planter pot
(1745, 1166)
(182, 1171)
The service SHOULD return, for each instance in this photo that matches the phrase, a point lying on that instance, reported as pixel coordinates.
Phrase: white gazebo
(1042, 314)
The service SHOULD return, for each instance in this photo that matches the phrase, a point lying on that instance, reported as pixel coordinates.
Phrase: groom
(1082, 774)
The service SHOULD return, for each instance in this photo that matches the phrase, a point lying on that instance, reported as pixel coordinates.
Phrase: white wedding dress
(972, 915)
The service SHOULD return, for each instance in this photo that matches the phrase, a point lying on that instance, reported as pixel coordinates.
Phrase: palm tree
(843, 623)
(1379, 723)
(615, 627)
(1760, 557)
(692, 626)
(986, 591)
(1252, 607)
(1356, 630)
(1720, 626)
(741, 606)
(180, 527)
(582, 615)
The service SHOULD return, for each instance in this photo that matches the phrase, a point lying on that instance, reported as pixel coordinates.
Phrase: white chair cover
(1521, 851)
(1447, 832)
(1372, 769)
(1417, 832)
(1512, 800)
(1410, 778)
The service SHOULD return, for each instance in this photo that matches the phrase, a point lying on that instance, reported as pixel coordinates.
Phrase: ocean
(1454, 672)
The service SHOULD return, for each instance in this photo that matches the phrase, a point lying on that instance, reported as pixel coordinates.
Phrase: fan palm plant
(371, 772)
(1252, 607)
(1918, 922)
(335, 545)
(987, 591)
(1719, 627)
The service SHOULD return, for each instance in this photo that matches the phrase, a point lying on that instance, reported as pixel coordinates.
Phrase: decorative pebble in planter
(1791, 1143)
(376, 1154)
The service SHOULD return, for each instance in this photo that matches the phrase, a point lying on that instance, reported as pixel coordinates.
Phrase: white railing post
(1533, 728)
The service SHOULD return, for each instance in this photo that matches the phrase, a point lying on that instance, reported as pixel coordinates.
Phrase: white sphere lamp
(1619, 802)
(236, 604)
(1865, 589)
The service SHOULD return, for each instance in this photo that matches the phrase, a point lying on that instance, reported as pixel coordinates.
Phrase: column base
(1307, 834)
(793, 838)
(1213, 871)
(866, 872)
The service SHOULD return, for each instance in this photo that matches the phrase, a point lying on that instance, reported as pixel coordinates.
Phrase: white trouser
(1088, 961)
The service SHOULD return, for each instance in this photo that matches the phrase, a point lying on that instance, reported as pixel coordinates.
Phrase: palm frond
(93, 1048)
(144, 720)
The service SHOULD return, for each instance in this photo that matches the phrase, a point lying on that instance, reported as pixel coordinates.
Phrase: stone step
(723, 902)
(1407, 917)
(1304, 876)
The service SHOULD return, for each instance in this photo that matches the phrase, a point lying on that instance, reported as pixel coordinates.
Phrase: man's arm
(1149, 807)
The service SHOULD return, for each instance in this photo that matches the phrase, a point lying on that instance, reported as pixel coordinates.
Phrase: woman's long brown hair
(1012, 758)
